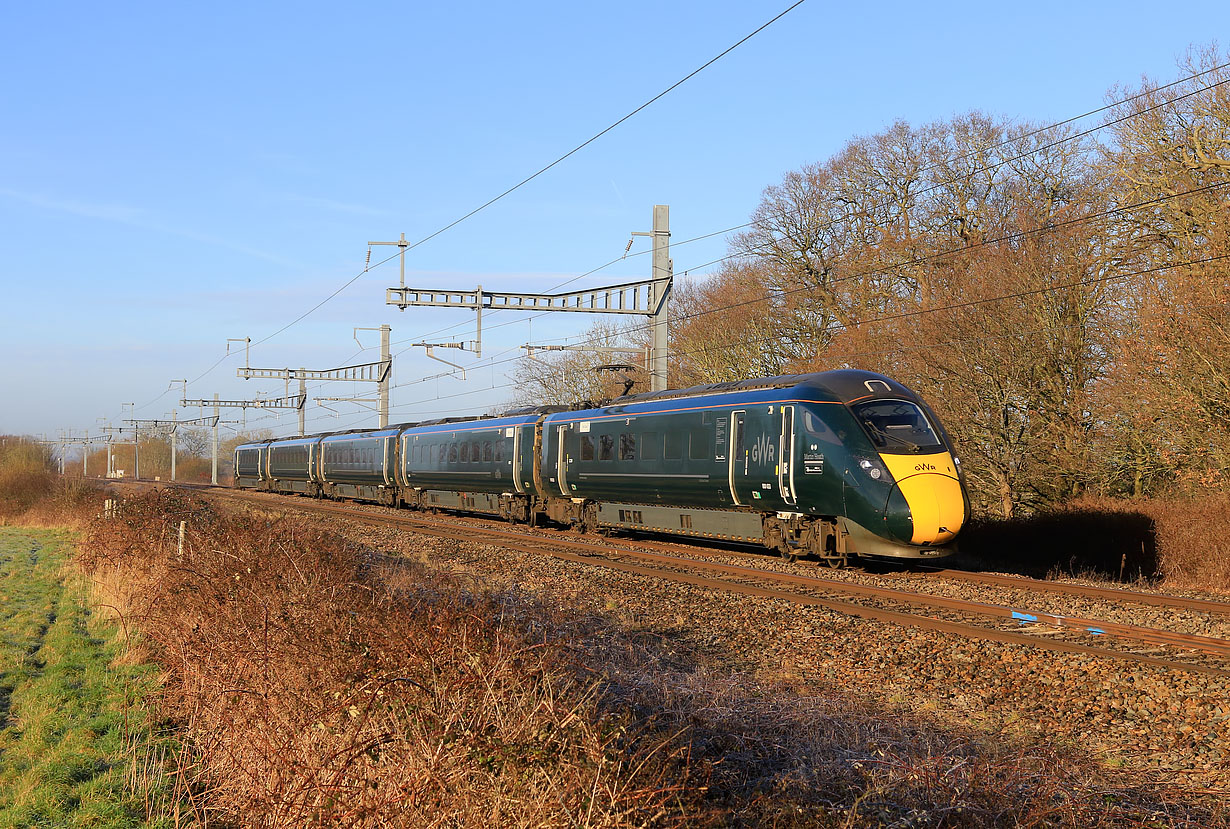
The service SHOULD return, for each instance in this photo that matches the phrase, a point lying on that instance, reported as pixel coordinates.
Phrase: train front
(902, 487)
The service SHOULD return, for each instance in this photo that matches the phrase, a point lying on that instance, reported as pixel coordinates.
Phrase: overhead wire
(907, 315)
(1016, 138)
(1011, 139)
(542, 170)
(930, 258)
(508, 191)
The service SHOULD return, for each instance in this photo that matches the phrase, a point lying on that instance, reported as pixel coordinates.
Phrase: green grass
(72, 730)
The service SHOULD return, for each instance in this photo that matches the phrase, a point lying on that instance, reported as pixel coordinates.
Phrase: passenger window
(465, 452)
(699, 447)
(452, 453)
(815, 427)
(606, 447)
(673, 448)
(487, 454)
(627, 447)
(587, 448)
(476, 452)
(650, 441)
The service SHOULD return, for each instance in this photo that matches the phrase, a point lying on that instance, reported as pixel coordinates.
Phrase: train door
(755, 476)
(745, 460)
(518, 484)
(561, 460)
(785, 453)
(737, 456)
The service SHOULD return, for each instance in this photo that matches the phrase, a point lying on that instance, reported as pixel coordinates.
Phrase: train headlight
(871, 469)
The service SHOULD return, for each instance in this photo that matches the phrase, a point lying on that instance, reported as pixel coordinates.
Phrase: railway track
(961, 617)
(1087, 591)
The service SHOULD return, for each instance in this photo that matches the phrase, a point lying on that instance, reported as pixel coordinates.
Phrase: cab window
(897, 427)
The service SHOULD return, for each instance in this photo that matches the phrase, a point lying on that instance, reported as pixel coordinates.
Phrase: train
(829, 466)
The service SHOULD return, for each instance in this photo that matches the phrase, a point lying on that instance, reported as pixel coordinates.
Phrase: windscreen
(898, 427)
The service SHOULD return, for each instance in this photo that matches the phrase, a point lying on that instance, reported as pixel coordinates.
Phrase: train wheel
(775, 539)
(589, 519)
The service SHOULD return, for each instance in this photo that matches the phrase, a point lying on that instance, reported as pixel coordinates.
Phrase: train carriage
(359, 464)
(833, 464)
(477, 464)
(290, 465)
(250, 463)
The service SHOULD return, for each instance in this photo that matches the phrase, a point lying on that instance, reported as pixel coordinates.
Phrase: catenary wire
(1002, 162)
(1015, 138)
(906, 315)
(535, 175)
(937, 256)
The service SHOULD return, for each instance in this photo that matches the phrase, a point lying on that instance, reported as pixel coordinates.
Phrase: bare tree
(565, 378)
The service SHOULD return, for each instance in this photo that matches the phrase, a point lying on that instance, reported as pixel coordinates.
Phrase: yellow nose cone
(933, 492)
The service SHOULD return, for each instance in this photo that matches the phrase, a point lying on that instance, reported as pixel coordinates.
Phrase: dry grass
(25, 476)
(1193, 539)
(32, 494)
(315, 692)
(319, 684)
(1183, 541)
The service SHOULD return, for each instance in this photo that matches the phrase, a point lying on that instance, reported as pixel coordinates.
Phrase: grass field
(73, 737)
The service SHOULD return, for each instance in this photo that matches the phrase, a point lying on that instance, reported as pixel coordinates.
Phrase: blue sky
(172, 176)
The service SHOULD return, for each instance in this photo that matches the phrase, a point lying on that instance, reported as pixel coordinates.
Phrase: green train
(829, 465)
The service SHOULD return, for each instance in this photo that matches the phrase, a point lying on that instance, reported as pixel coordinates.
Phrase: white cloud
(135, 217)
(109, 212)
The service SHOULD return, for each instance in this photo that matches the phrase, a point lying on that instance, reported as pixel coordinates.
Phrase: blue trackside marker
(1095, 631)
(1024, 618)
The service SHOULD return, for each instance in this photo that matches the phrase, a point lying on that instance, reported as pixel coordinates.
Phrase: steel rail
(600, 555)
(1090, 591)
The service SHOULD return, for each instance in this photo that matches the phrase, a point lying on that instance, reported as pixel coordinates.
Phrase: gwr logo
(924, 467)
(763, 450)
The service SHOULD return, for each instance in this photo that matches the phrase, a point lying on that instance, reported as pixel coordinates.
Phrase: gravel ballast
(1126, 715)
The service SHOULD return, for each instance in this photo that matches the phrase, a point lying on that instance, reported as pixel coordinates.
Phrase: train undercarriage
(831, 541)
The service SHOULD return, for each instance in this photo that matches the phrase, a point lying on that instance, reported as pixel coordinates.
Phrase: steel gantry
(648, 298)
(378, 373)
(292, 402)
(169, 427)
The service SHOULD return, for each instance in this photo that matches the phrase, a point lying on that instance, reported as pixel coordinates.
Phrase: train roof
(845, 385)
